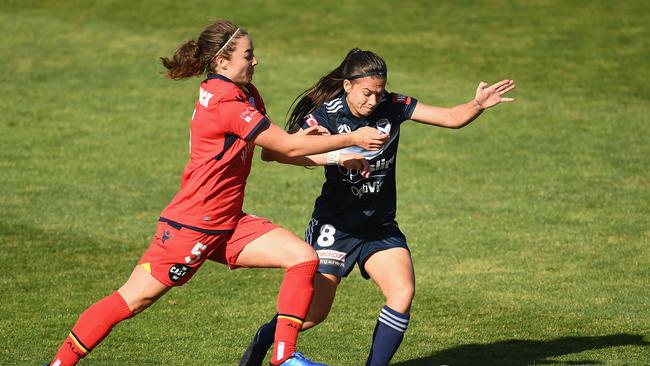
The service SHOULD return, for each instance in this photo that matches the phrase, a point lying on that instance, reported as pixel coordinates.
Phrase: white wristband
(333, 158)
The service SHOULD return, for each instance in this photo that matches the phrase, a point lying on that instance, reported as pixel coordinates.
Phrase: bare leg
(392, 270)
(141, 290)
(325, 286)
(281, 248)
(95, 323)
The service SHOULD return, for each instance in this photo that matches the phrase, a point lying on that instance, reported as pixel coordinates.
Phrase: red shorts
(177, 252)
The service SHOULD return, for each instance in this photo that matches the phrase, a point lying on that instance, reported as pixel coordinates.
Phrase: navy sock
(387, 337)
(266, 334)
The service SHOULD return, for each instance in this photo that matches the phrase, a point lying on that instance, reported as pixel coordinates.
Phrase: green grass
(530, 228)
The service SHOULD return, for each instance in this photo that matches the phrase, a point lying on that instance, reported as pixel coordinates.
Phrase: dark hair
(357, 64)
(196, 57)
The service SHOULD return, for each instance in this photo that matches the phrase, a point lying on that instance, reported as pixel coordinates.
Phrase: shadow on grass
(516, 352)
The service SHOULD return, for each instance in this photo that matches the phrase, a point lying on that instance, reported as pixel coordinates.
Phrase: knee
(301, 254)
(139, 305)
(314, 319)
(400, 299)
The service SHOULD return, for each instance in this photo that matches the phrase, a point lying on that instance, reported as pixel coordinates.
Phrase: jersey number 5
(197, 252)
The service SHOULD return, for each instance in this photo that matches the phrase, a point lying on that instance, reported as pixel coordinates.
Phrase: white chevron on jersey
(334, 105)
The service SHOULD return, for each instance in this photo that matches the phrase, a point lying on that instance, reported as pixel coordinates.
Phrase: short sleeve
(404, 104)
(316, 118)
(241, 118)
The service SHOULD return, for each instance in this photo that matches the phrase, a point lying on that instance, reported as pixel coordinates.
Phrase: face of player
(242, 62)
(363, 95)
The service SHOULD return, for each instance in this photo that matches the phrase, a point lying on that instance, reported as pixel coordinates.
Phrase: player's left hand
(487, 97)
(355, 161)
(314, 130)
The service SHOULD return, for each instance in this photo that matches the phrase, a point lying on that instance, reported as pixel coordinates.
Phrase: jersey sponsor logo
(331, 257)
(178, 271)
(310, 120)
(353, 176)
(367, 188)
(401, 99)
(248, 114)
(343, 128)
(204, 97)
(382, 164)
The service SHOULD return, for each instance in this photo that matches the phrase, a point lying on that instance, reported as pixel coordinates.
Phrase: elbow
(267, 155)
(293, 149)
(293, 153)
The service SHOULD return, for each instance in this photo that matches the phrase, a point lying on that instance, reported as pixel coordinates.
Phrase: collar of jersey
(219, 76)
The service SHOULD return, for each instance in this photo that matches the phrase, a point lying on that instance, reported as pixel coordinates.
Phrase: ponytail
(196, 57)
(357, 64)
(185, 62)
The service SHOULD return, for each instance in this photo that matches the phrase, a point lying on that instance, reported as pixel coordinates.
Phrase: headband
(226, 44)
(372, 73)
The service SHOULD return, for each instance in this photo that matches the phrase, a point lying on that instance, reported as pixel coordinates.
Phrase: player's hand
(314, 130)
(355, 161)
(487, 97)
(369, 138)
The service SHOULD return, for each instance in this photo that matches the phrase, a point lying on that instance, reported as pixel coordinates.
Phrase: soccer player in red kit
(205, 219)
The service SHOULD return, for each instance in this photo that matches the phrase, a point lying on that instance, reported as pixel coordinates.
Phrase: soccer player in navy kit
(205, 220)
(354, 218)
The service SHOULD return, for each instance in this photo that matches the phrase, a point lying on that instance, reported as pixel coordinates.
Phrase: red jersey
(212, 187)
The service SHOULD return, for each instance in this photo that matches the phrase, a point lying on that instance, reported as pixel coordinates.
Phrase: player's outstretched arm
(276, 139)
(462, 114)
(348, 160)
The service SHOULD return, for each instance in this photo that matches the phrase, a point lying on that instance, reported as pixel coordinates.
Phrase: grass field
(530, 228)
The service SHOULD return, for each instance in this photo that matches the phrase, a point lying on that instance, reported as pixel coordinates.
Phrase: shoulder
(222, 91)
(322, 114)
(332, 106)
(398, 99)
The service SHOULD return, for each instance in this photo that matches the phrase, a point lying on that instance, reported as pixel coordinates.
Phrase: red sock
(293, 303)
(93, 326)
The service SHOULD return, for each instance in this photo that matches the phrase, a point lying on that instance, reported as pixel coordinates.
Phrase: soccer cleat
(298, 359)
(256, 351)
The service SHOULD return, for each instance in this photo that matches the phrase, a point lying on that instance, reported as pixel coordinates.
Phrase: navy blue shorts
(338, 251)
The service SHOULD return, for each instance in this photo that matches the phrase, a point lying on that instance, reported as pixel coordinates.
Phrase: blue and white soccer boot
(298, 359)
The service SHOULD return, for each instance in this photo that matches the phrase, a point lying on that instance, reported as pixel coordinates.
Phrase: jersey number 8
(326, 237)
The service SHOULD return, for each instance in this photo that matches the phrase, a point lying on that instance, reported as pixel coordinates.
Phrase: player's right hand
(369, 138)
(355, 161)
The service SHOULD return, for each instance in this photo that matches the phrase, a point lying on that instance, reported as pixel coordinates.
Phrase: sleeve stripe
(263, 123)
(410, 108)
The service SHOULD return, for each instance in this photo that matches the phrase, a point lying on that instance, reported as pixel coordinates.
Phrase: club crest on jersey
(343, 128)
(178, 271)
(383, 125)
(166, 235)
(248, 114)
(401, 99)
(310, 120)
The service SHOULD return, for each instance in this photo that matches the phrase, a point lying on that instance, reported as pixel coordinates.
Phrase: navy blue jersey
(349, 201)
